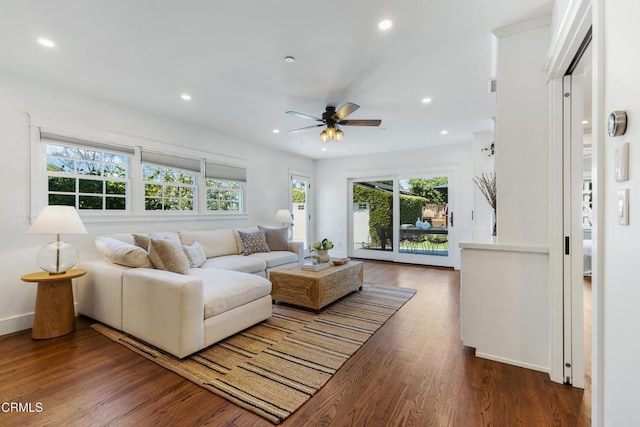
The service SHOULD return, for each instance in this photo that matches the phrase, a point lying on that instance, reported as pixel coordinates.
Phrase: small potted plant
(322, 250)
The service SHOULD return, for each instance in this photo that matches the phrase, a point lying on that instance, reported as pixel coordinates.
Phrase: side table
(54, 315)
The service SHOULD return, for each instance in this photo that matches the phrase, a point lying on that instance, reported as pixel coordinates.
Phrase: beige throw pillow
(276, 238)
(167, 255)
(119, 252)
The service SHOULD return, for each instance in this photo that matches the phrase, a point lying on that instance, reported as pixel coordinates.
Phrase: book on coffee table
(315, 267)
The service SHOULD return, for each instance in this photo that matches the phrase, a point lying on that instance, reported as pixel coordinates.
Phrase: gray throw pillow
(276, 238)
(254, 242)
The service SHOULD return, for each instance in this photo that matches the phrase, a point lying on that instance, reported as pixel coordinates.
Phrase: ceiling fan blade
(360, 122)
(303, 116)
(306, 128)
(345, 110)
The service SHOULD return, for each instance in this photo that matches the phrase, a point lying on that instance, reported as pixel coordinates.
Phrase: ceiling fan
(333, 119)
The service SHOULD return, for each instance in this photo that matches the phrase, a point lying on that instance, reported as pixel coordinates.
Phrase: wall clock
(617, 123)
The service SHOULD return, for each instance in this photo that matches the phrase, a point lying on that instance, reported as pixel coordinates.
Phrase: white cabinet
(504, 302)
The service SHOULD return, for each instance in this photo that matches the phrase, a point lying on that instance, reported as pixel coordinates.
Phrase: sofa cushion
(276, 238)
(119, 252)
(195, 254)
(254, 242)
(245, 264)
(276, 258)
(167, 255)
(215, 242)
(225, 290)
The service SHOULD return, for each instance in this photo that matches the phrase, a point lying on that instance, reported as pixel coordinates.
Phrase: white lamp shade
(283, 215)
(58, 220)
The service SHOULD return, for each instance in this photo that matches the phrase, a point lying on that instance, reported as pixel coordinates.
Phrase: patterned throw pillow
(276, 238)
(254, 242)
(167, 255)
(195, 254)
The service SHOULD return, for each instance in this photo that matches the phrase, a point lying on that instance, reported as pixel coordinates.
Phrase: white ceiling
(228, 54)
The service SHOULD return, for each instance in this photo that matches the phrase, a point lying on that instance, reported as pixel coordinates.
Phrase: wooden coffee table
(315, 289)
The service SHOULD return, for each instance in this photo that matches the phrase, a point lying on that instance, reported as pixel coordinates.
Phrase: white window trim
(137, 212)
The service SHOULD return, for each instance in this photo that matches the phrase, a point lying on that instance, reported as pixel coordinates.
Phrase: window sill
(94, 218)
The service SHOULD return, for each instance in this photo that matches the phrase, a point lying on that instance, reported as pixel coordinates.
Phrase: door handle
(451, 219)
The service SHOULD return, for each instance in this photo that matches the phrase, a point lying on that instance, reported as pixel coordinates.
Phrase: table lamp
(57, 257)
(284, 216)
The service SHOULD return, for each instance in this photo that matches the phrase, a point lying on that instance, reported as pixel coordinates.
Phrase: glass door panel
(372, 219)
(300, 209)
(423, 218)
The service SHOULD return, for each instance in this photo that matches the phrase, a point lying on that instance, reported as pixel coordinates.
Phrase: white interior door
(575, 85)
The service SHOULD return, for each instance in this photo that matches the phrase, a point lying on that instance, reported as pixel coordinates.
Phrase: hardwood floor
(413, 372)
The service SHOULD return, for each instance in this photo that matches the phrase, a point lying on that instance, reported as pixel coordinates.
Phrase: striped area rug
(272, 368)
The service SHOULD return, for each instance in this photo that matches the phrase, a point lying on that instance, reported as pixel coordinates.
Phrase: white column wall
(522, 134)
(267, 178)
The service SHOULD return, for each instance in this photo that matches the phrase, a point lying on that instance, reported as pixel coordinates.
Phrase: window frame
(77, 177)
(42, 131)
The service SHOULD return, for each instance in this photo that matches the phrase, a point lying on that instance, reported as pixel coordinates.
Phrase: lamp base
(57, 257)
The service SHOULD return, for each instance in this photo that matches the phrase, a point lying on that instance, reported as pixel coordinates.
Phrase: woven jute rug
(272, 368)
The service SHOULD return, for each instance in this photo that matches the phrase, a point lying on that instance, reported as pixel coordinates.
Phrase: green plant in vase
(321, 249)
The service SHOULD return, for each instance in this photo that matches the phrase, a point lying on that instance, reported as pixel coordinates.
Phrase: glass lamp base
(57, 257)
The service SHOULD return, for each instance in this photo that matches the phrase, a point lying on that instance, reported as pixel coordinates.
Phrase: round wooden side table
(54, 315)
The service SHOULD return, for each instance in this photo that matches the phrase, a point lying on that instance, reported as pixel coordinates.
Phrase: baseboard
(16, 323)
(513, 362)
(21, 322)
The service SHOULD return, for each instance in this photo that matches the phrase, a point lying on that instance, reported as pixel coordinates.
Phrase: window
(108, 176)
(168, 189)
(87, 178)
(224, 195)
(224, 187)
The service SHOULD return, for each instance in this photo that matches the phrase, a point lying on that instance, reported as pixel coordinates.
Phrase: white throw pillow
(195, 254)
(122, 253)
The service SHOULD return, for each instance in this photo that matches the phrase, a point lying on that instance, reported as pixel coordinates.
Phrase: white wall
(522, 135)
(622, 243)
(333, 207)
(267, 178)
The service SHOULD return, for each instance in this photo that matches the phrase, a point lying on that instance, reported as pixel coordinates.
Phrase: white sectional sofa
(183, 312)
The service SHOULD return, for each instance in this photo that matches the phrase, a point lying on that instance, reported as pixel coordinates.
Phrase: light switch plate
(623, 207)
(622, 162)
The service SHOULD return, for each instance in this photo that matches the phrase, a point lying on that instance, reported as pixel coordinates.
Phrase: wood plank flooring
(413, 372)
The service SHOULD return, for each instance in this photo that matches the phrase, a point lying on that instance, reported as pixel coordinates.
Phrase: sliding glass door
(401, 218)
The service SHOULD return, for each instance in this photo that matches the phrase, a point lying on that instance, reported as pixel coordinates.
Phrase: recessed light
(444, 132)
(46, 43)
(276, 131)
(385, 24)
(585, 122)
(426, 100)
(324, 148)
(289, 59)
(186, 97)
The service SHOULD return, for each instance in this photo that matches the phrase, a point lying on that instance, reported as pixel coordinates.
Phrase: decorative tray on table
(339, 261)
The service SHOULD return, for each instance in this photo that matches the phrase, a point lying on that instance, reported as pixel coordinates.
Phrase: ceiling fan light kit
(333, 119)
